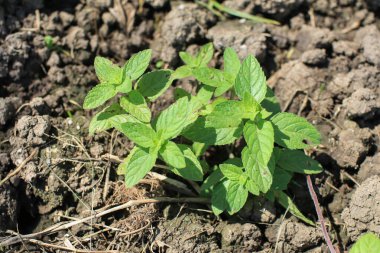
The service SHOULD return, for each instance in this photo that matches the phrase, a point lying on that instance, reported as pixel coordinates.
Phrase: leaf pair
(155, 142)
(114, 79)
(231, 193)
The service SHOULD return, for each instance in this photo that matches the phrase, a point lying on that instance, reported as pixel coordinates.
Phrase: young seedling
(49, 43)
(230, 104)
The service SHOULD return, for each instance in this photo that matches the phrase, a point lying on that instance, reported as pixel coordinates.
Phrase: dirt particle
(31, 130)
(363, 213)
(368, 37)
(237, 237)
(244, 38)
(369, 167)
(294, 236)
(8, 207)
(352, 145)
(7, 110)
(314, 57)
(363, 103)
(183, 25)
(347, 48)
(312, 37)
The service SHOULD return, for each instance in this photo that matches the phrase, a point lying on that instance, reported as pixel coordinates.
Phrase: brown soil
(323, 63)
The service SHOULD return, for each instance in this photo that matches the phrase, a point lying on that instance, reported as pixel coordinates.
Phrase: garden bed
(323, 63)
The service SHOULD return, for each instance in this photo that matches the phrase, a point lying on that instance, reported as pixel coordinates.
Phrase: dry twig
(62, 226)
(19, 168)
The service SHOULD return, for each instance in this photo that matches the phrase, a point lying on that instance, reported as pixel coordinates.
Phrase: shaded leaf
(212, 136)
(219, 197)
(153, 84)
(208, 184)
(297, 161)
(287, 203)
(270, 102)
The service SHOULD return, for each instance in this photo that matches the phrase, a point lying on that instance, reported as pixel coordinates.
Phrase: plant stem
(319, 213)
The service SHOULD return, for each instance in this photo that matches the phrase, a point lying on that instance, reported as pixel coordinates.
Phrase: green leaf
(107, 72)
(251, 79)
(172, 155)
(231, 62)
(210, 76)
(125, 86)
(367, 243)
(182, 72)
(281, 179)
(212, 136)
(137, 64)
(204, 55)
(134, 103)
(262, 175)
(173, 119)
(230, 114)
(223, 88)
(252, 187)
(208, 184)
(139, 133)
(227, 114)
(270, 102)
(297, 161)
(111, 116)
(234, 161)
(138, 165)
(99, 95)
(187, 58)
(219, 197)
(205, 94)
(193, 169)
(236, 197)
(259, 136)
(294, 132)
(287, 203)
(180, 93)
(199, 148)
(122, 168)
(153, 84)
(231, 172)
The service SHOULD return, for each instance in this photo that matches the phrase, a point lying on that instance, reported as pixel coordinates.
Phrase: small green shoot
(218, 9)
